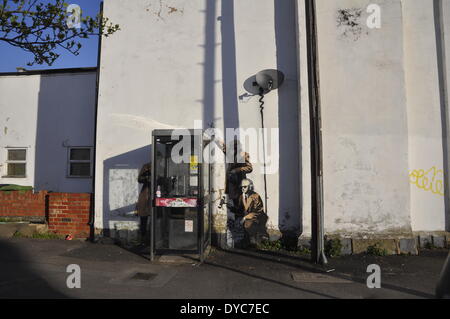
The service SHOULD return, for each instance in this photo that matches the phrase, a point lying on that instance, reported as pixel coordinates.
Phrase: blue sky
(12, 57)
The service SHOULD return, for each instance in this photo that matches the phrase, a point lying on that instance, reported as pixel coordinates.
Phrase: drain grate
(143, 276)
(318, 278)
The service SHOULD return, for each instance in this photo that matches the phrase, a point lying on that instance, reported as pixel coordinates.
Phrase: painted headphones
(251, 186)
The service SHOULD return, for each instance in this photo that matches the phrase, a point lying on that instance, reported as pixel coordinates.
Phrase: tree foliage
(41, 27)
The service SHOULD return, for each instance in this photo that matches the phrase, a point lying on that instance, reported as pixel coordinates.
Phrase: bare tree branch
(40, 28)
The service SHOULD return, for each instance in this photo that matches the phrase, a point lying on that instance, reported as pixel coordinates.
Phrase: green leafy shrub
(376, 250)
(271, 245)
(280, 246)
(333, 247)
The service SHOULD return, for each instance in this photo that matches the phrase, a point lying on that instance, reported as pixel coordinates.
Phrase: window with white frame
(16, 162)
(80, 162)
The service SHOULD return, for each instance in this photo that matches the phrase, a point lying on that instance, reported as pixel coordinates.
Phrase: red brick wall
(23, 204)
(69, 214)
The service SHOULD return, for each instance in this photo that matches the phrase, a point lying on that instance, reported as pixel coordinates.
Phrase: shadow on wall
(229, 90)
(120, 193)
(289, 214)
(65, 117)
(18, 280)
(229, 77)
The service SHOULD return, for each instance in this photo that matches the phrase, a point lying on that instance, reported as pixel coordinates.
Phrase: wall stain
(431, 180)
(348, 143)
(162, 10)
(349, 21)
(173, 9)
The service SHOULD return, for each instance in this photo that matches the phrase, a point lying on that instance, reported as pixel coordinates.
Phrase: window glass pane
(16, 169)
(80, 154)
(17, 155)
(80, 169)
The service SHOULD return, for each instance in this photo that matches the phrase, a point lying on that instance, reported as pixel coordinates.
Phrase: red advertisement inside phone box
(176, 202)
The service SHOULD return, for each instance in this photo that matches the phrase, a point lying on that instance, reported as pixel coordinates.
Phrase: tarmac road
(33, 268)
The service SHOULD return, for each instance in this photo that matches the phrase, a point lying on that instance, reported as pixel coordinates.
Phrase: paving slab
(8, 230)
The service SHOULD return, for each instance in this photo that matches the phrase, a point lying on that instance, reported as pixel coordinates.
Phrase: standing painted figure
(238, 166)
(143, 204)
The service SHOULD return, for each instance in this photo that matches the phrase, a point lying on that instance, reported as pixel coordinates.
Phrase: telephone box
(181, 194)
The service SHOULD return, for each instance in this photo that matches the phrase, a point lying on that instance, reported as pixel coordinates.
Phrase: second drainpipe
(317, 214)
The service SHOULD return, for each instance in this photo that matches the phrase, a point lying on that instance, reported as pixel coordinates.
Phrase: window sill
(79, 177)
(14, 177)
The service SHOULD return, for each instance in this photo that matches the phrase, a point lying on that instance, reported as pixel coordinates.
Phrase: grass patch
(39, 235)
(8, 188)
(16, 220)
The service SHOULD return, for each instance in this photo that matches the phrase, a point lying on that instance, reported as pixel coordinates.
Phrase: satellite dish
(269, 80)
(266, 80)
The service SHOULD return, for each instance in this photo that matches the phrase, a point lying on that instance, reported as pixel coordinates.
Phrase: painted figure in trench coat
(238, 166)
(143, 204)
(250, 208)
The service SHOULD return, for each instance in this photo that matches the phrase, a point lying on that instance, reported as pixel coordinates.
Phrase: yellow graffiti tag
(430, 181)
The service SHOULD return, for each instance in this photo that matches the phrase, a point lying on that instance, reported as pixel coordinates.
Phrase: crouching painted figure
(250, 210)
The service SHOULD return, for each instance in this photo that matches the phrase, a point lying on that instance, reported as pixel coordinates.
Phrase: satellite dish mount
(264, 82)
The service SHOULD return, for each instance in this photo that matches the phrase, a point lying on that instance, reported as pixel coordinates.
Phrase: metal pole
(91, 222)
(317, 214)
(261, 101)
(443, 93)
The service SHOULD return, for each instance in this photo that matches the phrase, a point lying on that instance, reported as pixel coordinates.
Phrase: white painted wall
(47, 113)
(426, 158)
(304, 122)
(364, 115)
(175, 62)
(18, 122)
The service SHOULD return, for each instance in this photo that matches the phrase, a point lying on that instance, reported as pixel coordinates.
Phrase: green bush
(333, 247)
(271, 245)
(376, 250)
(282, 246)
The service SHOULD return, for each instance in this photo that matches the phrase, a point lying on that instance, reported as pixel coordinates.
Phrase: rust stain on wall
(162, 11)
(173, 9)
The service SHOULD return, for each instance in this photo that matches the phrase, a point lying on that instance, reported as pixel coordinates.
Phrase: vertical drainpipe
(443, 92)
(317, 214)
(94, 159)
